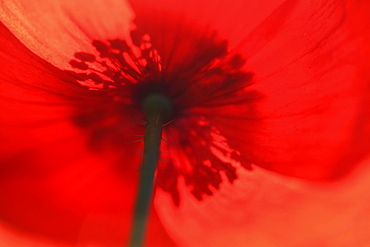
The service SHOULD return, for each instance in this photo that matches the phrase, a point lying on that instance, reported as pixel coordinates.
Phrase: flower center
(159, 104)
(189, 81)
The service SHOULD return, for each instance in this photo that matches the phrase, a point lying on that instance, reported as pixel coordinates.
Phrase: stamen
(157, 108)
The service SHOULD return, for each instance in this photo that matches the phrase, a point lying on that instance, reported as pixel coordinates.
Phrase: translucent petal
(55, 30)
(266, 209)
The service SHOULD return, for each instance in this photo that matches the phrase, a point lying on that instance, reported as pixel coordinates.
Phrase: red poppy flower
(267, 146)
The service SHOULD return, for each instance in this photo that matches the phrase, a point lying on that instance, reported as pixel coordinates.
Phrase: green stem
(156, 108)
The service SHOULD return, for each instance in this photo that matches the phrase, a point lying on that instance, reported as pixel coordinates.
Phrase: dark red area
(202, 75)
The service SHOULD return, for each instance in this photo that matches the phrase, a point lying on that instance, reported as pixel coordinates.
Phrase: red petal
(266, 209)
(313, 121)
(231, 21)
(53, 186)
(55, 30)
